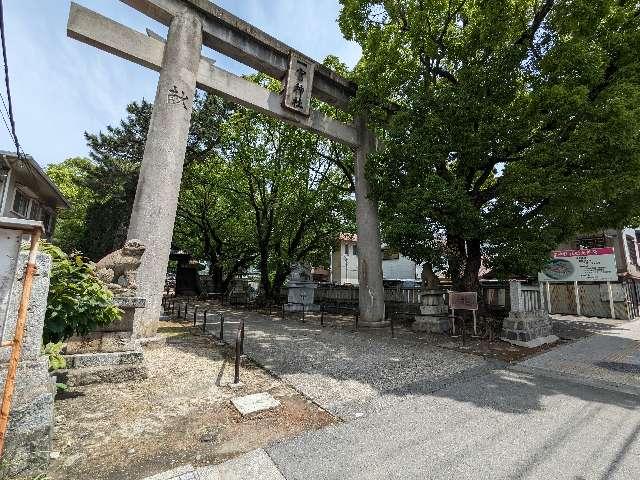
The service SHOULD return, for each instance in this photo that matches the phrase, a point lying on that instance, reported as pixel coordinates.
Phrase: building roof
(348, 237)
(31, 175)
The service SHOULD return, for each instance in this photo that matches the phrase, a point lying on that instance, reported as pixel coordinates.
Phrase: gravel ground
(180, 415)
(348, 373)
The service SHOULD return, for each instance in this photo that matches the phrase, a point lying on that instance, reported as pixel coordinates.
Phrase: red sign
(583, 252)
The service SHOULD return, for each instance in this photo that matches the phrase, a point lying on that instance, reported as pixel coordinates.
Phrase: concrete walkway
(349, 374)
(610, 358)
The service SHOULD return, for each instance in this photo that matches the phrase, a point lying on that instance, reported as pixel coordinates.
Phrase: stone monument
(433, 316)
(301, 290)
(28, 439)
(111, 353)
(525, 327)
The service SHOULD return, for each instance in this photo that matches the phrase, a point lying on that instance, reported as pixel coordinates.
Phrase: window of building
(389, 254)
(36, 211)
(20, 204)
(346, 249)
(631, 246)
(47, 220)
(596, 241)
(355, 249)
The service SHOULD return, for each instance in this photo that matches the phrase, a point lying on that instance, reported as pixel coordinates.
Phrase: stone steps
(98, 359)
(75, 377)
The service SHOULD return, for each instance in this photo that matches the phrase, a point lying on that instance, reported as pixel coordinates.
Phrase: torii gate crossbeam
(193, 23)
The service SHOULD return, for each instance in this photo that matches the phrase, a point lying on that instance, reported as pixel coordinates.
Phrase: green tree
(518, 124)
(116, 155)
(70, 176)
(211, 224)
(298, 198)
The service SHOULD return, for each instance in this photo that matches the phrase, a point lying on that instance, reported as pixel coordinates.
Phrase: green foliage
(52, 351)
(78, 301)
(255, 192)
(518, 124)
(70, 177)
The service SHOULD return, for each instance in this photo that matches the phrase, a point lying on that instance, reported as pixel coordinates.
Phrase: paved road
(505, 425)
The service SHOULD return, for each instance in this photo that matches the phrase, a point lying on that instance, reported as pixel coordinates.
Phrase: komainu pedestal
(108, 355)
(433, 316)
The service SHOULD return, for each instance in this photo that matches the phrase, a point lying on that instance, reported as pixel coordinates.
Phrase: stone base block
(536, 342)
(523, 328)
(431, 324)
(96, 342)
(76, 377)
(433, 310)
(152, 342)
(382, 324)
(293, 307)
(29, 434)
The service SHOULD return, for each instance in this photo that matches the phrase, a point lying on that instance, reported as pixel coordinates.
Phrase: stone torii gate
(193, 23)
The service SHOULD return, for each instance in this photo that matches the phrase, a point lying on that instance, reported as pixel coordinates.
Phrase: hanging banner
(584, 265)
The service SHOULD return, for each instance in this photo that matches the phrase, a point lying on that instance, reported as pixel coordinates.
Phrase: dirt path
(180, 414)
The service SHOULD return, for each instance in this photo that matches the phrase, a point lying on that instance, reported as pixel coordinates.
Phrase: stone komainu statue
(118, 269)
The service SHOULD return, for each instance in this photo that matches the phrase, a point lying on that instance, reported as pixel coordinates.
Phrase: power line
(6, 80)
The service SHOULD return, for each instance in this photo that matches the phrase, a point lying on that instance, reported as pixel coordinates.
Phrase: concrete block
(255, 403)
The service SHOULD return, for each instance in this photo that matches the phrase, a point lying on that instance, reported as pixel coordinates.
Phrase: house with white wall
(27, 192)
(344, 263)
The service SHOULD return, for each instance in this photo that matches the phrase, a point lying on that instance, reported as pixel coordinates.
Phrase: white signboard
(585, 265)
(9, 249)
(299, 83)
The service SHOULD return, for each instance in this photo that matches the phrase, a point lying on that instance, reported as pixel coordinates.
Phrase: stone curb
(577, 379)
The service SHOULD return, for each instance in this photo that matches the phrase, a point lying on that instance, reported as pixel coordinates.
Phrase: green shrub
(56, 360)
(78, 301)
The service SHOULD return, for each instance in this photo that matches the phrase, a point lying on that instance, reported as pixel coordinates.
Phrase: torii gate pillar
(371, 289)
(154, 208)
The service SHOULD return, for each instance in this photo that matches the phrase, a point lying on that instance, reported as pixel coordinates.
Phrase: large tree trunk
(465, 259)
(470, 279)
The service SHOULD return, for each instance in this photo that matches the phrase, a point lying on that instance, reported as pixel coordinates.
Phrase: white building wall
(344, 266)
(400, 269)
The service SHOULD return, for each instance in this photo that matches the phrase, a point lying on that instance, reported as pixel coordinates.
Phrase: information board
(585, 265)
(463, 300)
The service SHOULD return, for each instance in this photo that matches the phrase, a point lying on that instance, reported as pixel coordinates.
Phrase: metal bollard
(236, 376)
(357, 314)
(242, 335)
(204, 321)
(221, 327)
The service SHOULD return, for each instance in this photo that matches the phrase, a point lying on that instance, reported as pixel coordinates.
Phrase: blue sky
(62, 88)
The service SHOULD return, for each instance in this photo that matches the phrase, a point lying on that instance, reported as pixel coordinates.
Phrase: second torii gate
(193, 23)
